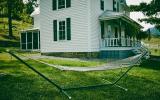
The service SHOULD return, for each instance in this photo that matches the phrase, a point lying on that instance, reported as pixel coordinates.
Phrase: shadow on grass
(9, 44)
(151, 64)
(26, 85)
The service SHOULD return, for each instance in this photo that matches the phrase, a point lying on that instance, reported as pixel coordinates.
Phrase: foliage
(151, 10)
(143, 35)
(19, 9)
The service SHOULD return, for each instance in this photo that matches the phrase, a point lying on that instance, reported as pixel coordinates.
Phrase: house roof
(35, 12)
(30, 30)
(109, 15)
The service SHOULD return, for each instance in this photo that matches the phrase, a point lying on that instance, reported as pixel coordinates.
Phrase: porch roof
(109, 15)
(30, 30)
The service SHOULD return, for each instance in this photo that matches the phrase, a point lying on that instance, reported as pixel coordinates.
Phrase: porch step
(142, 50)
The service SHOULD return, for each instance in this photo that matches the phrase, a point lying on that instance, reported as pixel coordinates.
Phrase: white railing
(120, 42)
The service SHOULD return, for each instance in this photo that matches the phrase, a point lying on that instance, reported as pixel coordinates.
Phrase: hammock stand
(64, 90)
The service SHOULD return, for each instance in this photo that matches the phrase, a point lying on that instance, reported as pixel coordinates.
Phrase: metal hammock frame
(64, 90)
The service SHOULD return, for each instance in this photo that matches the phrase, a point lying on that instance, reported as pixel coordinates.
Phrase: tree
(151, 10)
(15, 10)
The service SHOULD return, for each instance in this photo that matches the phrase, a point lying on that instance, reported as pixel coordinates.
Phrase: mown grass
(74, 63)
(153, 41)
(155, 52)
(17, 82)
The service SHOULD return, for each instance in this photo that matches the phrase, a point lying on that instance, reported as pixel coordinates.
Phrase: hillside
(154, 31)
(17, 26)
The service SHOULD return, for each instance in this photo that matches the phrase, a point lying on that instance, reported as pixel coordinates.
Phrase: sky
(136, 15)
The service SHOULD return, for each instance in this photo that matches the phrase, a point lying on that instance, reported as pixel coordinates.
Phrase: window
(102, 4)
(62, 30)
(59, 4)
(114, 5)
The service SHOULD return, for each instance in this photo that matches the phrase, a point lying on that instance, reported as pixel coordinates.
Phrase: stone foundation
(74, 54)
(113, 54)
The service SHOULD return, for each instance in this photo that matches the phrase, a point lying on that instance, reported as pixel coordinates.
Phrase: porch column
(120, 32)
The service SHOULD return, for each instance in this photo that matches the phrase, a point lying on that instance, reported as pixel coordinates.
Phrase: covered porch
(118, 31)
(30, 40)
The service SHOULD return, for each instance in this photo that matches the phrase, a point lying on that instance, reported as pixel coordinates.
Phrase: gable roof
(35, 12)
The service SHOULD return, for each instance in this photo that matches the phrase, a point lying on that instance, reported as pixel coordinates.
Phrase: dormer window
(59, 4)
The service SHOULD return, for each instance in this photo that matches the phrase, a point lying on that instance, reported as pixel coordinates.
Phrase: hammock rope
(64, 90)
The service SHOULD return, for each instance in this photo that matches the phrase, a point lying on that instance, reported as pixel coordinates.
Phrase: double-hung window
(59, 4)
(62, 30)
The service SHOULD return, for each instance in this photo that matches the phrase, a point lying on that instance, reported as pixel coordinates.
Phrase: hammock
(64, 90)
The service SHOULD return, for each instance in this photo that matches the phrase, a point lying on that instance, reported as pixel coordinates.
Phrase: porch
(118, 31)
(30, 40)
(120, 42)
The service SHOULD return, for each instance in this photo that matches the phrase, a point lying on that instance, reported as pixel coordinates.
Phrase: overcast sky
(137, 15)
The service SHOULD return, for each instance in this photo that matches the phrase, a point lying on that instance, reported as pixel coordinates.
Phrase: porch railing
(120, 42)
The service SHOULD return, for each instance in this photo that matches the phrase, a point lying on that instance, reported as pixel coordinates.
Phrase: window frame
(63, 30)
(60, 4)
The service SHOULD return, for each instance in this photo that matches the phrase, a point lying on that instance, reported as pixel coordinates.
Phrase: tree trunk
(10, 18)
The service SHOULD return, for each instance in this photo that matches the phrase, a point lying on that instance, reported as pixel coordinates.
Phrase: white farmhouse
(95, 28)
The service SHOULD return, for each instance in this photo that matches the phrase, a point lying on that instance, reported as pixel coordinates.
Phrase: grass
(74, 63)
(155, 52)
(153, 41)
(17, 82)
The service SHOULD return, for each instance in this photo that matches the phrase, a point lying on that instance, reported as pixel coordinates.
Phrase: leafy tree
(151, 10)
(16, 9)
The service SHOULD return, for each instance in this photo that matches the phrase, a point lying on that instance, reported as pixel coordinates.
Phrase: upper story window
(102, 4)
(115, 5)
(59, 4)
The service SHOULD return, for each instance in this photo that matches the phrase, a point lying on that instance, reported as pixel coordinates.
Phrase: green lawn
(17, 82)
(155, 52)
(74, 63)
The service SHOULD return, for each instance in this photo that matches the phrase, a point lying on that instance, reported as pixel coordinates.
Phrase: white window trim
(58, 5)
(61, 8)
(59, 20)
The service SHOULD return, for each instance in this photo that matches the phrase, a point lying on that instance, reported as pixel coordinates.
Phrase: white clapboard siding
(36, 21)
(78, 12)
(85, 26)
(95, 12)
(95, 28)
